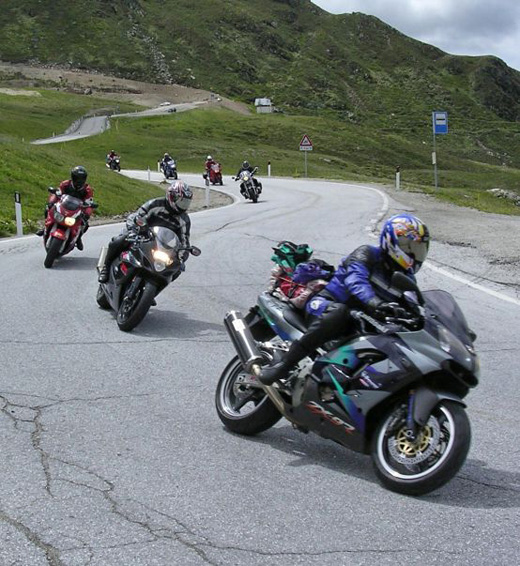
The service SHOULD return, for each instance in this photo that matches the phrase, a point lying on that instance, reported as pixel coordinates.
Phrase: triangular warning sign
(305, 141)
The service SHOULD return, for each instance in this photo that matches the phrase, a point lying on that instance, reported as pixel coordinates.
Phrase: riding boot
(279, 370)
(79, 243)
(114, 249)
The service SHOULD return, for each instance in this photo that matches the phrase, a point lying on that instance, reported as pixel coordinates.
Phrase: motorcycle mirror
(94, 205)
(195, 251)
(403, 283)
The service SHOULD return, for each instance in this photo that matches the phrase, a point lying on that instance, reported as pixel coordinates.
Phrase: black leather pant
(336, 321)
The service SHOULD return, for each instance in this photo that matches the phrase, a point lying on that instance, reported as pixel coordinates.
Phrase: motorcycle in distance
(64, 224)
(140, 273)
(248, 186)
(114, 164)
(393, 390)
(215, 174)
(169, 169)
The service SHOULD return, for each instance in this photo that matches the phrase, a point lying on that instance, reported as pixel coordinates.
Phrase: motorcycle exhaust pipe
(102, 256)
(243, 341)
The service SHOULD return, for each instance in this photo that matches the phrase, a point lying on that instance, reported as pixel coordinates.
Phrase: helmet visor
(183, 203)
(415, 248)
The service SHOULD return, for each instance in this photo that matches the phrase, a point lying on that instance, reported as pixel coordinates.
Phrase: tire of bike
(132, 311)
(53, 251)
(101, 299)
(417, 468)
(231, 397)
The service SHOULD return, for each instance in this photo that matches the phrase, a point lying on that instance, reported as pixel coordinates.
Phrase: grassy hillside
(343, 150)
(289, 50)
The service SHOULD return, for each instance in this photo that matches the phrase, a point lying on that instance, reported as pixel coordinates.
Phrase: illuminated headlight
(70, 221)
(161, 260)
(246, 178)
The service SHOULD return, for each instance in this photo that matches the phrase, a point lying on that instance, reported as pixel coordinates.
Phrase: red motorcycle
(215, 174)
(64, 224)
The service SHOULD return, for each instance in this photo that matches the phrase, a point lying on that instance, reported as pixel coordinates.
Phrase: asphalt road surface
(111, 452)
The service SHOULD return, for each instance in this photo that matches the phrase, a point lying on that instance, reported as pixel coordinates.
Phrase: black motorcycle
(250, 187)
(170, 169)
(140, 273)
(393, 390)
(114, 164)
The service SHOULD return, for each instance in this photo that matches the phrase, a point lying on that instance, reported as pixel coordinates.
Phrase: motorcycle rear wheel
(101, 299)
(53, 251)
(132, 311)
(417, 468)
(241, 408)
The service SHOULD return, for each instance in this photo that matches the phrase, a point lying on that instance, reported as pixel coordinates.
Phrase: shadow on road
(476, 486)
(76, 263)
(160, 323)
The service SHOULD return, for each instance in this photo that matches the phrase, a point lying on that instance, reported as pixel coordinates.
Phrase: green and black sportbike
(393, 390)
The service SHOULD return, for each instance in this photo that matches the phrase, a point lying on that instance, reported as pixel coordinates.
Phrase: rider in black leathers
(168, 211)
(247, 167)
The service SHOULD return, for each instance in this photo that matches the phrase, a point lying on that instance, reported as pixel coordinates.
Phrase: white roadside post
(439, 126)
(398, 177)
(18, 212)
(149, 174)
(207, 190)
(268, 168)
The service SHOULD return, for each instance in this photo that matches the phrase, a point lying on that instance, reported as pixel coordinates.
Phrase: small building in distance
(263, 105)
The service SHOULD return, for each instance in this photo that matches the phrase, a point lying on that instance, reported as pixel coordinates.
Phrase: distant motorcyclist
(169, 211)
(76, 187)
(209, 163)
(360, 282)
(111, 156)
(247, 167)
(165, 159)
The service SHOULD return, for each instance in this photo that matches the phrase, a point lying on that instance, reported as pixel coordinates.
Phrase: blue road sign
(440, 122)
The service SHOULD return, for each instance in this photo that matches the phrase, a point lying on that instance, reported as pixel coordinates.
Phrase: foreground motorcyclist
(76, 187)
(209, 163)
(403, 245)
(169, 211)
(247, 167)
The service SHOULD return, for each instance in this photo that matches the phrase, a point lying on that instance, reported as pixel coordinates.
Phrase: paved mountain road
(112, 453)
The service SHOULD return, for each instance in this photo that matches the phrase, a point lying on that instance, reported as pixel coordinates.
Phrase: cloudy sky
(460, 27)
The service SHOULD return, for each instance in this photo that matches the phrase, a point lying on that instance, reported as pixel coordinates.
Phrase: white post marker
(148, 173)
(207, 194)
(18, 212)
(305, 145)
(398, 177)
(268, 168)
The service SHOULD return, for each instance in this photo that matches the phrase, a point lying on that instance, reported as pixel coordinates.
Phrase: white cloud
(461, 27)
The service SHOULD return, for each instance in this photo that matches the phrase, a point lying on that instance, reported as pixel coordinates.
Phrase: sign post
(18, 212)
(440, 126)
(305, 146)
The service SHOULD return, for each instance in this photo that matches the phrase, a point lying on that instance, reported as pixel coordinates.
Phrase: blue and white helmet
(405, 239)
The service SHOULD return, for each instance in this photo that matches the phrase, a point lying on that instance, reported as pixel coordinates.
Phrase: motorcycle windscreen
(166, 238)
(71, 203)
(448, 313)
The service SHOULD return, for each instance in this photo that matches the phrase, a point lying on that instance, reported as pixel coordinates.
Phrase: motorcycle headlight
(246, 178)
(161, 260)
(70, 221)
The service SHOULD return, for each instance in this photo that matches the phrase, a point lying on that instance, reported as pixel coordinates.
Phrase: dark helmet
(245, 165)
(179, 196)
(405, 240)
(78, 176)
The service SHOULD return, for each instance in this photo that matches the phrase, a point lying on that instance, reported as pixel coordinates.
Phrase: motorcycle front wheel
(417, 467)
(132, 310)
(53, 251)
(243, 408)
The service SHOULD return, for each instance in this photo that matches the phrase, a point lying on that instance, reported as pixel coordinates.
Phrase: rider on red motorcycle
(78, 187)
(209, 162)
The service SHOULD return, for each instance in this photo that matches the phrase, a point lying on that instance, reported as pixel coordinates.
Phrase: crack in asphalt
(475, 277)
(491, 485)
(51, 553)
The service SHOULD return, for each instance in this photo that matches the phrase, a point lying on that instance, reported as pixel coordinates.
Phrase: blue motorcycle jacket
(362, 279)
